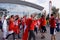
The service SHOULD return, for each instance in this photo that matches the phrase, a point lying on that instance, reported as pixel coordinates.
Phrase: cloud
(45, 3)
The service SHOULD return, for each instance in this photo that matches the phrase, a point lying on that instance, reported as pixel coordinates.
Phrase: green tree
(55, 10)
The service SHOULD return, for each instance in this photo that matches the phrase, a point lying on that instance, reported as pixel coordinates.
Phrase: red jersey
(24, 21)
(11, 24)
(32, 26)
(43, 22)
(28, 21)
(17, 29)
(52, 22)
(19, 21)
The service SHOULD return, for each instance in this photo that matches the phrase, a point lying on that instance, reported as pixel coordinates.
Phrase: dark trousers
(13, 34)
(31, 35)
(18, 36)
(36, 30)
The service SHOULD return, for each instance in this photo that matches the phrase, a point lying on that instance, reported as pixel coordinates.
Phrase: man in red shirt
(31, 28)
(52, 27)
(43, 24)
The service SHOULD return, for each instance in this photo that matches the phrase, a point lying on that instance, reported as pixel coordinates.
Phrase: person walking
(11, 27)
(17, 27)
(43, 26)
(4, 27)
(52, 22)
(1, 24)
(31, 28)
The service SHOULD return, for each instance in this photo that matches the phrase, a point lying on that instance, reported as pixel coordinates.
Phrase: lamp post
(50, 8)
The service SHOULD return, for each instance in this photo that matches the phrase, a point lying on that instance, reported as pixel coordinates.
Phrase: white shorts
(5, 33)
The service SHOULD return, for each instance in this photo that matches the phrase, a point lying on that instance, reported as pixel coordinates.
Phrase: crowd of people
(14, 24)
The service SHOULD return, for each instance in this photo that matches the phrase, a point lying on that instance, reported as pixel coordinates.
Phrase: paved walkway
(48, 36)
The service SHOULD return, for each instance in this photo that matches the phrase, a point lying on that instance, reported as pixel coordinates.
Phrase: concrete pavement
(48, 36)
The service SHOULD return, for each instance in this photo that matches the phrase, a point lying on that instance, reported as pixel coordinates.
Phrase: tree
(55, 10)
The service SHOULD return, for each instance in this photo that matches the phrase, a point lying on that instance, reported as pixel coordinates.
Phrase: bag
(1, 24)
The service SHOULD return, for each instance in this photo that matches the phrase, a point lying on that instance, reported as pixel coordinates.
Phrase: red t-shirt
(52, 22)
(17, 29)
(28, 21)
(11, 25)
(43, 22)
(32, 26)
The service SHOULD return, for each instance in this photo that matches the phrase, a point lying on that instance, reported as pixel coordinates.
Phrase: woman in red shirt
(11, 27)
(52, 22)
(17, 25)
(31, 30)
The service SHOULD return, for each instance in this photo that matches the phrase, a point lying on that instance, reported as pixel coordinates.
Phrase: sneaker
(42, 37)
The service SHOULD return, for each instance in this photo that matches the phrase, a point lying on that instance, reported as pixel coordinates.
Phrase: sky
(19, 9)
(45, 3)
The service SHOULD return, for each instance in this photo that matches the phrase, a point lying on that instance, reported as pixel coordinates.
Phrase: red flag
(25, 35)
